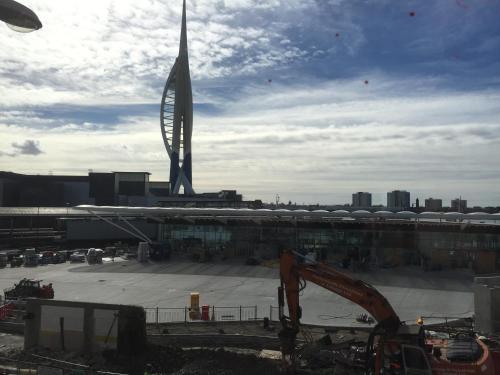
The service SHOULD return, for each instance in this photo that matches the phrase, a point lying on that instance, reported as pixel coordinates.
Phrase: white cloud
(121, 51)
(308, 139)
(339, 139)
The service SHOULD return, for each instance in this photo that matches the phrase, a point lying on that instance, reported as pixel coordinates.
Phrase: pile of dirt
(157, 360)
(222, 362)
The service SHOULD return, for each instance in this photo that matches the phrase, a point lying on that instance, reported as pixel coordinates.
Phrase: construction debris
(155, 360)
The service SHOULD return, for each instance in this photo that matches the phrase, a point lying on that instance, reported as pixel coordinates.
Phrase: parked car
(94, 256)
(16, 262)
(45, 257)
(3, 260)
(59, 257)
(77, 257)
(31, 258)
(253, 261)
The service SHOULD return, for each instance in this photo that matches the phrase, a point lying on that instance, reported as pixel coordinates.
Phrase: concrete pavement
(412, 294)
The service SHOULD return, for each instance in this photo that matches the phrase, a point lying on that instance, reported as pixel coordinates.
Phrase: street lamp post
(19, 17)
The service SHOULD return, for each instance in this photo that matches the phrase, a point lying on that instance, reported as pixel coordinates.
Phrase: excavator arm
(293, 276)
(292, 273)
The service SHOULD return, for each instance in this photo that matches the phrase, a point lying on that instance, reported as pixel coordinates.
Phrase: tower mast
(177, 117)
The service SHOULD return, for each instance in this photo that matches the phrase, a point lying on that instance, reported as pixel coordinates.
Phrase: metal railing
(159, 315)
(167, 315)
(274, 313)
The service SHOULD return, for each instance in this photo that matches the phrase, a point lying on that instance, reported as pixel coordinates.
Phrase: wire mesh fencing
(159, 315)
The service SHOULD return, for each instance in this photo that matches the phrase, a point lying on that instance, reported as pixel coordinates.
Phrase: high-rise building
(459, 205)
(177, 117)
(432, 204)
(398, 200)
(361, 199)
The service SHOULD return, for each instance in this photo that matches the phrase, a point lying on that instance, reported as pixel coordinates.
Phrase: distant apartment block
(361, 199)
(459, 205)
(398, 200)
(432, 204)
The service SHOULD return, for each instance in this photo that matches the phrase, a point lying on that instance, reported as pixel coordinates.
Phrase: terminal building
(104, 189)
(383, 239)
(42, 190)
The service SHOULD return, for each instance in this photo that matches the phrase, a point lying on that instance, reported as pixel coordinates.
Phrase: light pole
(18, 17)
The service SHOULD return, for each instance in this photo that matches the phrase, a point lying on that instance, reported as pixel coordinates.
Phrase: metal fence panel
(158, 315)
(166, 315)
(274, 313)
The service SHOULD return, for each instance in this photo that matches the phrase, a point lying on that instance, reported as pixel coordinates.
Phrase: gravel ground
(10, 342)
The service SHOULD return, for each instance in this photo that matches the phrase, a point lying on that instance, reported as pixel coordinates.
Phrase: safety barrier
(160, 315)
(274, 314)
(6, 311)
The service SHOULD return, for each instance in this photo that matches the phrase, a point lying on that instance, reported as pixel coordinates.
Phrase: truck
(29, 288)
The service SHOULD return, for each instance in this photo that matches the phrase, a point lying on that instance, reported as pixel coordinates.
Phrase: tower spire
(183, 49)
(177, 117)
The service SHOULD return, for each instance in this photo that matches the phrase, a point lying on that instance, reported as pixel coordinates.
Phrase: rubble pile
(156, 360)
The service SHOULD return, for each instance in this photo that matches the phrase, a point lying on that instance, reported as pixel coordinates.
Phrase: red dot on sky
(412, 14)
(461, 4)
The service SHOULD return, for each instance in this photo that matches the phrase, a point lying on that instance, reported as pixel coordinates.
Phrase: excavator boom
(389, 338)
(329, 278)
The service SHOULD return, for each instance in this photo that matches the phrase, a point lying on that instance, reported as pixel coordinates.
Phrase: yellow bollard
(194, 308)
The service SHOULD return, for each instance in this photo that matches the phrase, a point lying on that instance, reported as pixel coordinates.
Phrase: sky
(310, 100)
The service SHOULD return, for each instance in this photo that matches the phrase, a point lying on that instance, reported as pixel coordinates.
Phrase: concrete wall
(487, 304)
(50, 327)
(84, 327)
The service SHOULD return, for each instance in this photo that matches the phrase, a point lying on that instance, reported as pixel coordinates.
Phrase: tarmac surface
(411, 292)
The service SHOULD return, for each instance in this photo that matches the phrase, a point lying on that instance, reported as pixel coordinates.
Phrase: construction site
(110, 273)
(123, 314)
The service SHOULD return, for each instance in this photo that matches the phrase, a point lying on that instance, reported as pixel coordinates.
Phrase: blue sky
(281, 103)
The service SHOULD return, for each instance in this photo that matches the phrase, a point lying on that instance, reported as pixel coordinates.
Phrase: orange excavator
(393, 347)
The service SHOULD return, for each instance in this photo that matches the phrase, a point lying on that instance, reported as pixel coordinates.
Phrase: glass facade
(433, 246)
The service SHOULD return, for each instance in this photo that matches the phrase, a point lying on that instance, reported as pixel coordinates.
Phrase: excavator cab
(399, 354)
(415, 361)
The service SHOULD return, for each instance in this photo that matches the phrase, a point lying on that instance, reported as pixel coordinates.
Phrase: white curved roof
(341, 212)
(361, 212)
(384, 213)
(284, 213)
(406, 213)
